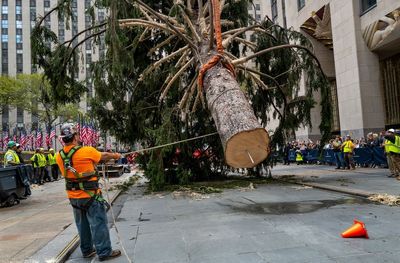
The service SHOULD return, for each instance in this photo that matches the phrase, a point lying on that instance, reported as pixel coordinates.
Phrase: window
(258, 7)
(300, 4)
(20, 115)
(274, 10)
(18, 24)
(20, 64)
(4, 23)
(284, 14)
(5, 115)
(258, 18)
(367, 5)
(4, 9)
(32, 3)
(18, 38)
(46, 3)
(4, 38)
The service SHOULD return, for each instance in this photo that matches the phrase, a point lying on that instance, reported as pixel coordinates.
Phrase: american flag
(91, 135)
(6, 138)
(39, 139)
(84, 135)
(46, 138)
(52, 134)
(23, 139)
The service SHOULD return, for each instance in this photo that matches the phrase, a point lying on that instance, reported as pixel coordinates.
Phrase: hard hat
(41, 149)
(18, 145)
(51, 149)
(68, 130)
(391, 130)
(11, 144)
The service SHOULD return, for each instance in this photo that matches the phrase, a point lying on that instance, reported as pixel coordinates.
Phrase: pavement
(369, 180)
(276, 222)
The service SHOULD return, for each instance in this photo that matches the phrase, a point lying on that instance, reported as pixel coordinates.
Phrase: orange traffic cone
(357, 230)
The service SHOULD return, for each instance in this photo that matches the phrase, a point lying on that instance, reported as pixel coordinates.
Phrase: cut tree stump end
(247, 149)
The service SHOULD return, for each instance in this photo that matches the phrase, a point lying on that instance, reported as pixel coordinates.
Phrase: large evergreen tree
(148, 88)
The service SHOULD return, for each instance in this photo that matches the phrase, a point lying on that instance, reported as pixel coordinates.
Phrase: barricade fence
(362, 156)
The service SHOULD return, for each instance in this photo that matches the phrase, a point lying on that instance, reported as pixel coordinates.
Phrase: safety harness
(82, 181)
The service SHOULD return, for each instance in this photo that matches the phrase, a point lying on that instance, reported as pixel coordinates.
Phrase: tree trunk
(245, 142)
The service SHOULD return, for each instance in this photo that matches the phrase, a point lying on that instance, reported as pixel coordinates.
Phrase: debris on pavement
(391, 200)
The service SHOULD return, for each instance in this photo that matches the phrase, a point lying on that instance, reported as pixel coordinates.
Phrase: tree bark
(245, 142)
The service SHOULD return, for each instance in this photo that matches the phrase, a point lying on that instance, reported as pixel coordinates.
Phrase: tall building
(358, 45)
(18, 17)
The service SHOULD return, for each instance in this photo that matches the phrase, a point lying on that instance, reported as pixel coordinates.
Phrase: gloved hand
(117, 156)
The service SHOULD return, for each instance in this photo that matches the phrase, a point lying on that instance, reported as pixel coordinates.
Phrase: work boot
(89, 255)
(114, 254)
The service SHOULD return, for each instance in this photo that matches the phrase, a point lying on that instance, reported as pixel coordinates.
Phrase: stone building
(358, 44)
(18, 17)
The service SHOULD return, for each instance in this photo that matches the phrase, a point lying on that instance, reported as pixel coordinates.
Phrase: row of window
(365, 5)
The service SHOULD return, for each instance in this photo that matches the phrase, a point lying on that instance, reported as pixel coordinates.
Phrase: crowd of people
(343, 149)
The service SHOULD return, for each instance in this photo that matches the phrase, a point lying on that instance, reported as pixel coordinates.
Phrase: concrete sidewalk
(373, 180)
(272, 223)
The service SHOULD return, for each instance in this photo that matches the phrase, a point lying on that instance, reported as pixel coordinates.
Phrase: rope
(220, 48)
(172, 143)
(106, 181)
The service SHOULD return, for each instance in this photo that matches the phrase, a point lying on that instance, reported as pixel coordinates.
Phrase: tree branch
(83, 31)
(245, 59)
(177, 75)
(166, 21)
(141, 22)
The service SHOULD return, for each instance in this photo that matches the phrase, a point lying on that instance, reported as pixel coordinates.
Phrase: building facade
(358, 45)
(18, 17)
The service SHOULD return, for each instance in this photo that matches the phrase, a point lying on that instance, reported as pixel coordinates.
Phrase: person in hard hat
(77, 166)
(42, 166)
(299, 157)
(348, 148)
(51, 160)
(19, 153)
(392, 150)
(35, 163)
(11, 157)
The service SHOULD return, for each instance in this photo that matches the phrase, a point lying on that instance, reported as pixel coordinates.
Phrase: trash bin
(11, 186)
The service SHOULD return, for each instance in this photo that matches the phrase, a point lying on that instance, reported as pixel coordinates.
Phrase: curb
(73, 244)
(350, 191)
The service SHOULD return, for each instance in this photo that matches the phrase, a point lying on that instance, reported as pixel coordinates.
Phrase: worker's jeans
(92, 227)
(339, 159)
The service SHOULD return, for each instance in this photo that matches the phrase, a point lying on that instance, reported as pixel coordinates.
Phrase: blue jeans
(339, 159)
(92, 227)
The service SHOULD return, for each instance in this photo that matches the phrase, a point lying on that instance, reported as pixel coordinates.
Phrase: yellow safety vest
(14, 155)
(52, 158)
(42, 160)
(299, 157)
(33, 160)
(348, 147)
(393, 147)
